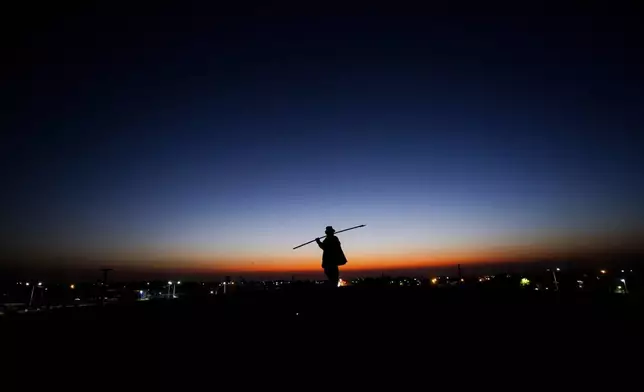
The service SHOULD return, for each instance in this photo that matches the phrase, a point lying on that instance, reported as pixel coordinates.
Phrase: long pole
(31, 297)
(337, 232)
(554, 276)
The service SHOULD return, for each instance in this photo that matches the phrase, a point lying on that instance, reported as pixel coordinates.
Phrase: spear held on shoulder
(339, 231)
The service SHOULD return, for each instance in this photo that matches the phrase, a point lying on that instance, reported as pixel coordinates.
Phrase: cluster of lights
(28, 284)
(342, 282)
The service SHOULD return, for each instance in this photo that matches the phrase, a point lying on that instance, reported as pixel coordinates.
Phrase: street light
(31, 296)
(174, 289)
(554, 280)
(625, 287)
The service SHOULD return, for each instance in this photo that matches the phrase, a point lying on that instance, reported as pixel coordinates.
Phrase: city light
(71, 286)
(558, 269)
(434, 280)
(169, 282)
(212, 292)
(39, 283)
(141, 292)
(623, 280)
(603, 271)
(179, 282)
(525, 281)
(27, 284)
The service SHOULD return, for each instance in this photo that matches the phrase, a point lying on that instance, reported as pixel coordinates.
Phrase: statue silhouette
(332, 257)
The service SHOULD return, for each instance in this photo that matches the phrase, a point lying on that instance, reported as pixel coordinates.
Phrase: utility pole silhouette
(104, 286)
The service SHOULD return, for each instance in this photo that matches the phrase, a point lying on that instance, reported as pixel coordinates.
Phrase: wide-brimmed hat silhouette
(329, 230)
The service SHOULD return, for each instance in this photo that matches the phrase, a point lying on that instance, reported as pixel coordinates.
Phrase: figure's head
(329, 230)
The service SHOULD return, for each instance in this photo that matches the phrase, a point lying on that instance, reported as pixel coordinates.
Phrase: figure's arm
(320, 244)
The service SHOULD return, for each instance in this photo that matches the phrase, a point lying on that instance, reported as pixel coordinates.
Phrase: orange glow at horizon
(307, 263)
(362, 256)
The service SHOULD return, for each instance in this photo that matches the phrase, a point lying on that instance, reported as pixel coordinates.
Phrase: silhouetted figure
(332, 257)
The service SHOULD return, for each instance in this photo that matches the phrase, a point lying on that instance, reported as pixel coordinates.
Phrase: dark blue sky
(224, 137)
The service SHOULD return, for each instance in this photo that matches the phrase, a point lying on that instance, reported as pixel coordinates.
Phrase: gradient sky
(211, 139)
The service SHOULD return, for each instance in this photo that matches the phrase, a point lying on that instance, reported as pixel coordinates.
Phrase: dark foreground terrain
(344, 329)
